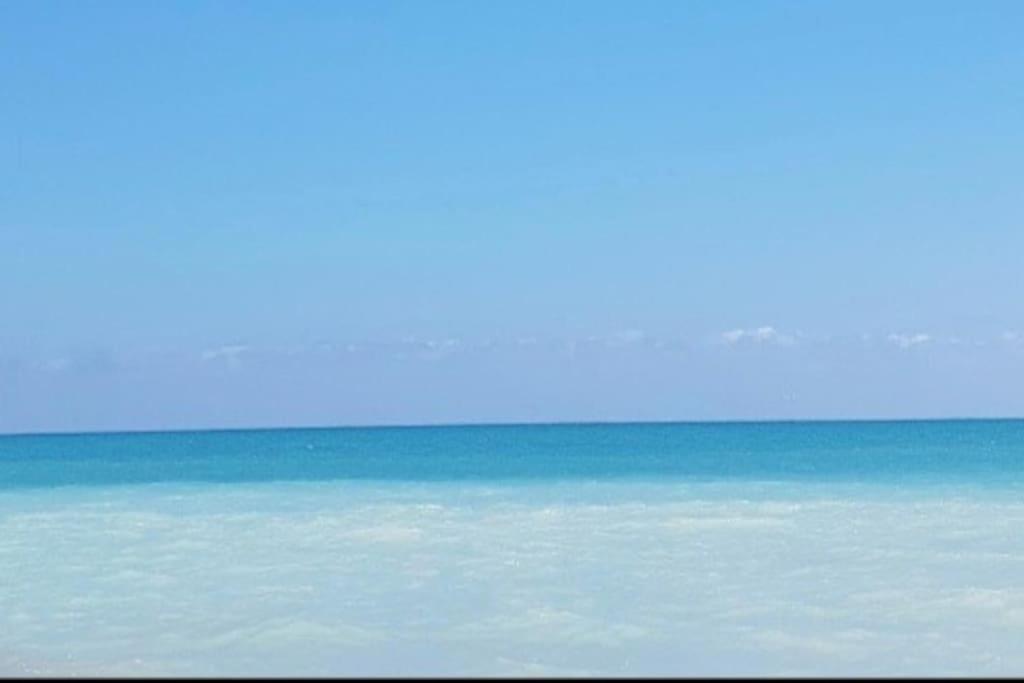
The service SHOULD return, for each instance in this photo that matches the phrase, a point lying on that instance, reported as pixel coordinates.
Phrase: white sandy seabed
(556, 579)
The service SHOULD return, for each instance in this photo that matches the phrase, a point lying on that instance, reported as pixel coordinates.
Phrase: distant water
(961, 452)
(858, 548)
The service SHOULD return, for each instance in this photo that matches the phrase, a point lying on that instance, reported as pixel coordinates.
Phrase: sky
(231, 214)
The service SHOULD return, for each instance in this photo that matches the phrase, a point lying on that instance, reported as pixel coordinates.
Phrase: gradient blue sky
(229, 214)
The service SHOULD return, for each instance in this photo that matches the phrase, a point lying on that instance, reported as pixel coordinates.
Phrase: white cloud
(733, 336)
(443, 344)
(905, 341)
(230, 354)
(428, 349)
(760, 335)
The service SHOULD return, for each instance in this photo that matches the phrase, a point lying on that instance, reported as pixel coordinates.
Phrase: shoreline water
(347, 578)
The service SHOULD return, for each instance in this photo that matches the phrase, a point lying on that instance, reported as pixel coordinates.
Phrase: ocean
(786, 548)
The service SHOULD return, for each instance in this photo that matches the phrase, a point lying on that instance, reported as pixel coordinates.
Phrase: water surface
(718, 549)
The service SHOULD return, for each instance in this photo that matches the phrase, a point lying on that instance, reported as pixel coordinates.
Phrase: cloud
(443, 344)
(626, 337)
(760, 335)
(905, 341)
(229, 354)
(428, 349)
(89, 362)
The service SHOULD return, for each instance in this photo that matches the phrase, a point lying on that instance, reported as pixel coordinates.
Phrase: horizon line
(539, 423)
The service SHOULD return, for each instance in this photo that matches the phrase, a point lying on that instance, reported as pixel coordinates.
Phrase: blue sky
(228, 214)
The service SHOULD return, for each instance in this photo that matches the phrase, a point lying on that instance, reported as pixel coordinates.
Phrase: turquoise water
(973, 451)
(870, 548)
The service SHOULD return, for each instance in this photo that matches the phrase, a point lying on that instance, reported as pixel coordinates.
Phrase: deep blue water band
(978, 451)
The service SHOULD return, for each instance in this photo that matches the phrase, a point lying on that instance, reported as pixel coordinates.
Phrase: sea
(723, 549)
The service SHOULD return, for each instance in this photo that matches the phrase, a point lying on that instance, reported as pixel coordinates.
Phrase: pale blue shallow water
(867, 548)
